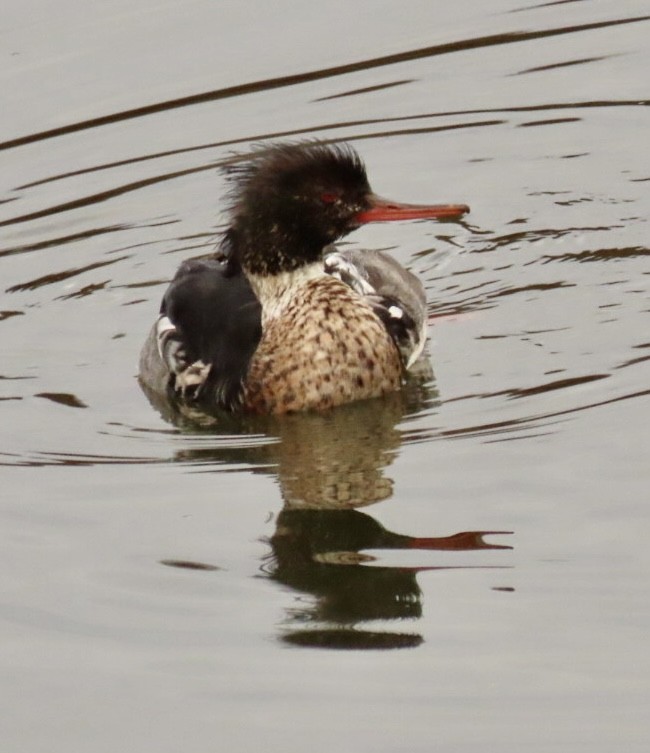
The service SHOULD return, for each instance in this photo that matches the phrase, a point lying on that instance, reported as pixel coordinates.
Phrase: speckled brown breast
(326, 348)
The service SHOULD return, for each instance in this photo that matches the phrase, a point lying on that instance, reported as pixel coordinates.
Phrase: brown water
(463, 567)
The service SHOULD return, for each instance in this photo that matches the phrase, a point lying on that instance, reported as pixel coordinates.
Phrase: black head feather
(289, 201)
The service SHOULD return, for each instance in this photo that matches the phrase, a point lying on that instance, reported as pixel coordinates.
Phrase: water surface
(459, 567)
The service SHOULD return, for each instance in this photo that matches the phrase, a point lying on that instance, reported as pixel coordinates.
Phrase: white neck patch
(275, 292)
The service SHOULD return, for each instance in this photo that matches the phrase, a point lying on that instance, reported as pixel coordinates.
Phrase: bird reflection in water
(320, 552)
(329, 465)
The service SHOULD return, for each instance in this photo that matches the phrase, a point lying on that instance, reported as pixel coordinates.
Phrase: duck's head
(291, 200)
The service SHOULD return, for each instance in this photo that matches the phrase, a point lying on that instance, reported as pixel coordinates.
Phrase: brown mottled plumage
(326, 348)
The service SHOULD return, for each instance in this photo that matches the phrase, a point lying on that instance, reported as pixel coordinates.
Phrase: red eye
(329, 198)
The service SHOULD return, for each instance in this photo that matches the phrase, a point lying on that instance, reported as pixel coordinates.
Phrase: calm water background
(328, 583)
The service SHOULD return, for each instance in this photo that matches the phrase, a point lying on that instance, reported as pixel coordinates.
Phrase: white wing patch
(163, 325)
(390, 283)
(188, 377)
(348, 272)
(418, 346)
(193, 377)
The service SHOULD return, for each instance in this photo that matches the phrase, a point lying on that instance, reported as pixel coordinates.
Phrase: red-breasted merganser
(279, 320)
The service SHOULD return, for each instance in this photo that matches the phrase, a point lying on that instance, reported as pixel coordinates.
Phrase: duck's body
(324, 348)
(280, 321)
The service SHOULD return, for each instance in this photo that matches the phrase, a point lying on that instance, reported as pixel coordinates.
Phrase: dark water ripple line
(60, 276)
(50, 459)
(269, 136)
(549, 121)
(487, 300)
(557, 384)
(512, 429)
(632, 362)
(366, 89)
(529, 288)
(85, 291)
(544, 5)
(519, 392)
(97, 198)
(63, 398)
(63, 240)
(8, 314)
(280, 82)
(483, 245)
(564, 64)
(145, 182)
(509, 426)
(75, 237)
(601, 254)
(204, 440)
(229, 463)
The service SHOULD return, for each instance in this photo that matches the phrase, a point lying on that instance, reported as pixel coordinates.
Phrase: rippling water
(170, 583)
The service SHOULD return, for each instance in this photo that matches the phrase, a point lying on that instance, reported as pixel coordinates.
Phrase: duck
(279, 320)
